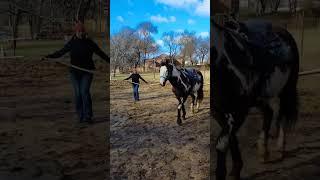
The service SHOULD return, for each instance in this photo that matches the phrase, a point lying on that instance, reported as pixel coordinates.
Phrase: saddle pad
(267, 46)
(192, 74)
(260, 34)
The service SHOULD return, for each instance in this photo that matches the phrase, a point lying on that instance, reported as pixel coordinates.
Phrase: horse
(184, 82)
(257, 65)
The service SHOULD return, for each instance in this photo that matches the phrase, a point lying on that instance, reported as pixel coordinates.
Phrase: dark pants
(81, 82)
(135, 91)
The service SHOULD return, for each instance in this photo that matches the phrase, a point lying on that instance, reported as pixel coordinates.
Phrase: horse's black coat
(184, 82)
(243, 76)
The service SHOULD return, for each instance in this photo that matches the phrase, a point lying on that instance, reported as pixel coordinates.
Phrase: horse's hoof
(179, 122)
(184, 117)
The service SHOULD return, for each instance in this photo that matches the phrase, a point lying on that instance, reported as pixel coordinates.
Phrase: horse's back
(270, 45)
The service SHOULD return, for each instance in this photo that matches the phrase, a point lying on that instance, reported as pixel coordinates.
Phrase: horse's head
(167, 71)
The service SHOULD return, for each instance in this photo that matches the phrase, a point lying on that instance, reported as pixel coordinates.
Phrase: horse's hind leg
(270, 113)
(281, 143)
(288, 115)
(192, 103)
(183, 109)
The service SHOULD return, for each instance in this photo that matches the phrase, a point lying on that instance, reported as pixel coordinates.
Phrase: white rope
(73, 66)
(310, 72)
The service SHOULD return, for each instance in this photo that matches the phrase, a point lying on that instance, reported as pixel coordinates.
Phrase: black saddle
(192, 74)
(265, 45)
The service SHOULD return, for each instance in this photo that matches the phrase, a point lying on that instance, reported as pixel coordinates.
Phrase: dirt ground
(303, 144)
(146, 142)
(40, 139)
(39, 134)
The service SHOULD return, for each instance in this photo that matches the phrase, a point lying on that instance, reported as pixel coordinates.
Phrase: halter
(169, 72)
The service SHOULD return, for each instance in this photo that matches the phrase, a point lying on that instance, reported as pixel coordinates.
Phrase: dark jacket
(81, 52)
(135, 78)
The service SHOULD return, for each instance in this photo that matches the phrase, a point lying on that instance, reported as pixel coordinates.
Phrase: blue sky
(167, 15)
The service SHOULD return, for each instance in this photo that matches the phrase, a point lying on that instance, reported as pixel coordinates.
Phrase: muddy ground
(40, 139)
(39, 134)
(146, 142)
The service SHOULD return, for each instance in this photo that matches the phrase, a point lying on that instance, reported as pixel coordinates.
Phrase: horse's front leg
(179, 122)
(222, 144)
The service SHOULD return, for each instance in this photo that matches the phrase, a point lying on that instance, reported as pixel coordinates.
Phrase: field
(40, 137)
(146, 142)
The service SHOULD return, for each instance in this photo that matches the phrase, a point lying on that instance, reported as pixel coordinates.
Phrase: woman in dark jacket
(135, 76)
(81, 51)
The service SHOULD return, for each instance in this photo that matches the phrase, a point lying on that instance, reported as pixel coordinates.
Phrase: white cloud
(179, 30)
(120, 18)
(203, 34)
(191, 21)
(177, 3)
(159, 42)
(203, 8)
(160, 19)
(130, 2)
(172, 19)
(130, 13)
(199, 7)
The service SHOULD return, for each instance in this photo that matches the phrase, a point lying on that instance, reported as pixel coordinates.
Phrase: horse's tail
(200, 91)
(289, 101)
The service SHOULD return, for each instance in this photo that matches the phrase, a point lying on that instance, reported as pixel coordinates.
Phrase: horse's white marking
(180, 106)
(239, 44)
(230, 121)
(277, 81)
(196, 87)
(241, 77)
(176, 73)
(223, 143)
(163, 74)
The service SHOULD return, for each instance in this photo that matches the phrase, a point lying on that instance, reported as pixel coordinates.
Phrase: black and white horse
(184, 82)
(244, 75)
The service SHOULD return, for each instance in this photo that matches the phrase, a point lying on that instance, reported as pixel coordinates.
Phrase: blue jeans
(81, 82)
(135, 91)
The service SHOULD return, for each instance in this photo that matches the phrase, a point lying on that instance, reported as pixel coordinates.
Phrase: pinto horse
(256, 66)
(184, 82)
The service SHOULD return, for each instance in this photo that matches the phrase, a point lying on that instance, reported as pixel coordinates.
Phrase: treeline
(57, 15)
(131, 47)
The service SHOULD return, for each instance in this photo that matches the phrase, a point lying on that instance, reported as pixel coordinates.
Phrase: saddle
(192, 74)
(264, 44)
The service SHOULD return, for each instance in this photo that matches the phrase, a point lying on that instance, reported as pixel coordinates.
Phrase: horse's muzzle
(162, 81)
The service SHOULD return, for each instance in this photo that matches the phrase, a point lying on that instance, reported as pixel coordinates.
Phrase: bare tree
(144, 31)
(188, 46)
(122, 49)
(171, 41)
(203, 47)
